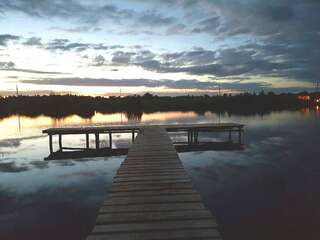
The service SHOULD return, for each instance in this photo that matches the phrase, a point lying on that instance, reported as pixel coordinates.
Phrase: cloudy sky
(172, 47)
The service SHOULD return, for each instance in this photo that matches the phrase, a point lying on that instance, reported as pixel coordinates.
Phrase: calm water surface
(270, 190)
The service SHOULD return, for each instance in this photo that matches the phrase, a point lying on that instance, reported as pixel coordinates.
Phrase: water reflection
(267, 191)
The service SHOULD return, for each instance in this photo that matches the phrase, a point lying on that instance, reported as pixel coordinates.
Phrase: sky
(172, 47)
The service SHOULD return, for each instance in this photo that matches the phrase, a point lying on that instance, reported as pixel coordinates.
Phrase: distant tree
(147, 95)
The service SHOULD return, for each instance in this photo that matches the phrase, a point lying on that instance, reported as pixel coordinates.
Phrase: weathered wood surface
(152, 196)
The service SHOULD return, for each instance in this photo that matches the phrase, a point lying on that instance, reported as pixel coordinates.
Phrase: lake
(269, 190)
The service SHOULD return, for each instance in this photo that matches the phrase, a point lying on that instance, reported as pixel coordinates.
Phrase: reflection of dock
(179, 146)
(152, 196)
(192, 131)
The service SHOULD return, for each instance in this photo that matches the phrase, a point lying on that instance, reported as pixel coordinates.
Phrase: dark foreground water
(270, 190)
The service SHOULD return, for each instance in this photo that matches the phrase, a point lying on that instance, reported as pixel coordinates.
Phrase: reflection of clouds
(63, 163)
(78, 174)
(12, 167)
(39, 164)
(274, 140)
(122, 143)
(67, 209)
(10, 143)
(16, 142)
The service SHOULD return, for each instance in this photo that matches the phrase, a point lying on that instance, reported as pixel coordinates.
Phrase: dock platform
(152, 197)
(192, 132)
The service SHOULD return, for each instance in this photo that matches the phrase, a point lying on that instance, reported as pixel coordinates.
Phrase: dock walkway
(152, 196)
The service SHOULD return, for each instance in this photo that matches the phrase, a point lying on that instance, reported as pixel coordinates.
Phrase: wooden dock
(152, 196)
(191, 130)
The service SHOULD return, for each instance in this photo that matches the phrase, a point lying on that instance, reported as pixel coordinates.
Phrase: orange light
(304, 98)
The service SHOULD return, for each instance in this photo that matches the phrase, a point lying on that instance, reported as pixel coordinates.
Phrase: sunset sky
(166, 47)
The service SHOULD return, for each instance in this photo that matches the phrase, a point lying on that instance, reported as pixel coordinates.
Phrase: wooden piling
(60, 142)
(97, 141)
(87, 141)
(50, 144)
(110, 139)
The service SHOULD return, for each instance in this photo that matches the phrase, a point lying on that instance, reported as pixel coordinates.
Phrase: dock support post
(110, 139)
(50, 144)
(239, 135)
(60, 142)
(230, 136)
(97, 141)
(196, 134)
(191, 135)
(188, 137)
(132, 136)
(87, 140)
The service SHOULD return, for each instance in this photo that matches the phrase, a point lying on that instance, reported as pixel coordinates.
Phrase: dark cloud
(285, 33)
(101, 46)
(173, 84)
(144, 55)
(66, 45)
(153, 18)
(6, 65)
(178, 28)
(98, 61)
(185, 58)
(5, 38)
(11, 66)
(33, 41)
(91, 14)
(78, 29)
(277, 38)
(208, 25)
(120, 57)
(220, 63)
(31, 71)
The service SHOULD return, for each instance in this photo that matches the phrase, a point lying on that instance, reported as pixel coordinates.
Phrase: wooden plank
(153, 216)
(185, 234)
(137, 168)
(149, 178)
(152, 159)
(151, 182)
(165, 225)
(152, 193)
(130, 170)
(147, 174)
(154, 199)
(152, 207)
(152, 165)
(146, 187)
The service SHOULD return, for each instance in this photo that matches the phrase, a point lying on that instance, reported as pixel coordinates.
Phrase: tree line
(134, 105)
